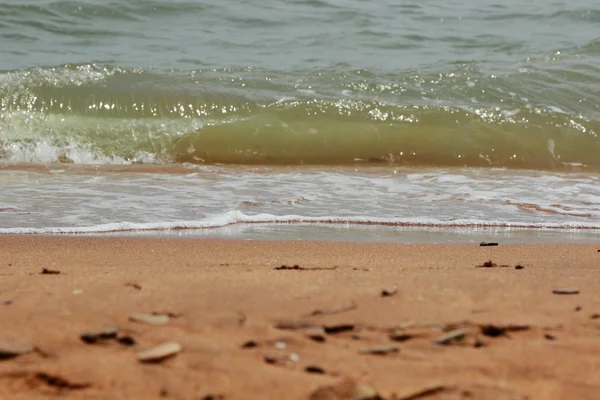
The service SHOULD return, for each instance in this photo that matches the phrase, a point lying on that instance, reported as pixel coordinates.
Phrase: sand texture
(137, 318)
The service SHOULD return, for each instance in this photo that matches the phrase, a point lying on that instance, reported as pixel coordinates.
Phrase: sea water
(301, 119)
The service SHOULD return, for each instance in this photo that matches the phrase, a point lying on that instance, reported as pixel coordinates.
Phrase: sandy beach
(352, 321)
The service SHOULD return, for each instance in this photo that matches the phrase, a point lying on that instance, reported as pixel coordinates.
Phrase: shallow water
(71, 201)
(146, 115)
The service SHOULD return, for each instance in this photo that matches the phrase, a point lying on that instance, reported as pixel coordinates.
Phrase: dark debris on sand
(47, 271)
(299, 268)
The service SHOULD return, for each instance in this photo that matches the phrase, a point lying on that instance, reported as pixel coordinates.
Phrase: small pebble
(548, 336)
(488, 244)
(280, 345)
(364, 392)
(317, 334)
(150, 319)
(159, 353)
(294, 357)
(14, 349)
(519, 266)
(389, 291)
(453, 336)
(7, 302)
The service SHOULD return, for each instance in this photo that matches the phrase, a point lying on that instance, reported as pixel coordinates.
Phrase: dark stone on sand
(578, 308)
(487, 264)
(283, 267)
(271, 359)
(488, 244)
(250, 344)
(595, 316)
(214, 397)
(519, 266)
(126, 341)
(566, 291)
(95, 336)
(46, 271)
(314, 369)
(338, 328)
(400, 337)
(134, 285)
(389, 291)
(7, 302)
(549, 336)
(495, 330)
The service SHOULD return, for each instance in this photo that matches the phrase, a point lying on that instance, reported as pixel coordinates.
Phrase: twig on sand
(299, 268)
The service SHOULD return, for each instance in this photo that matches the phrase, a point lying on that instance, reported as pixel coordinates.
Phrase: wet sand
(249, 330)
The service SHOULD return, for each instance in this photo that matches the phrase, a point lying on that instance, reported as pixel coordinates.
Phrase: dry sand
(221, 294)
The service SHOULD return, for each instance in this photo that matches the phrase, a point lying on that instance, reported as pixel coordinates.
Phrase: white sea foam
(43, 151)
(237, 217)
(91, 201)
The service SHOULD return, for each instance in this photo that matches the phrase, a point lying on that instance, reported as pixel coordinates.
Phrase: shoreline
(222, 294)
(347, 232)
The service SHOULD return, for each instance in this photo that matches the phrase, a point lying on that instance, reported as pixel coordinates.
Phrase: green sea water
(436, 83)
